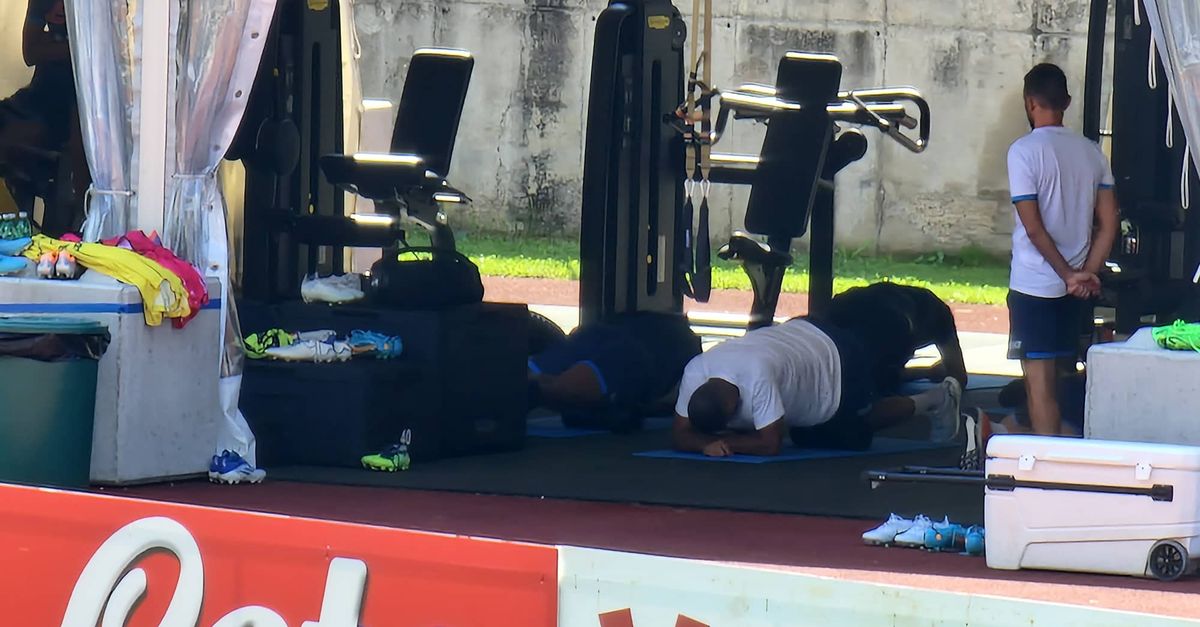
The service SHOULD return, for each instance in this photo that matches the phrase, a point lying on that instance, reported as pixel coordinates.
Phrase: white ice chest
(157, 406)
(1090, 505)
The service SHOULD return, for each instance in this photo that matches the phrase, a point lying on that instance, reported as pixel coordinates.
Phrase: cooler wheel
(1168, 560)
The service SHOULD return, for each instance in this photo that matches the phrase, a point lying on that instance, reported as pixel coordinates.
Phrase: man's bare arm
(767, 441)
(686, 438)
(1030, 215)
(1108, 222)
(37, 45)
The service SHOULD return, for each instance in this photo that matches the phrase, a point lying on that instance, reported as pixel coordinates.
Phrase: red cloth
(151, 248)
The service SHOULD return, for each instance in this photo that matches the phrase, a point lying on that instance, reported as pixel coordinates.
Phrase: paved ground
(822, 546)
(974, 318)
(982, 329)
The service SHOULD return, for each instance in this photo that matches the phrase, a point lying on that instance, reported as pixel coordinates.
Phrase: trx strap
(698, 109)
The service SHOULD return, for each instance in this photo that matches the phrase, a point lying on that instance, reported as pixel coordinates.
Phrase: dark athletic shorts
(637, 357)
(848, 429)
(1044, 328)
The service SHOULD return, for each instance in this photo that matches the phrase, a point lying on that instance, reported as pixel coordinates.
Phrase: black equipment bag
(438, 278)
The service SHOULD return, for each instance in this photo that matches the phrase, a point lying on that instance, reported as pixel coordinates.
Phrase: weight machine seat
(752, 252)
(427, 120)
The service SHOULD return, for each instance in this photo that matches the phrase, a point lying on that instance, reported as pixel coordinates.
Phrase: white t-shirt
(790, 371)
(1063, 171)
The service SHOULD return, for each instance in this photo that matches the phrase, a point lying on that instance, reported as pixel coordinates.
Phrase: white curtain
(1176, 26)
(103, 36)
(219, 47)
(352, 96)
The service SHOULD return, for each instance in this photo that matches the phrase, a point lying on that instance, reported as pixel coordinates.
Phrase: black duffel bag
(431, 278)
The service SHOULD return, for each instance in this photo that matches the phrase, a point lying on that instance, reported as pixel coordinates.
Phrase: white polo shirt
(1062, 170)
(790, 371)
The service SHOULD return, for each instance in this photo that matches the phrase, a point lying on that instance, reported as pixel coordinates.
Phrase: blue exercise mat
(553, 427)
(974, 382)
(881, 446)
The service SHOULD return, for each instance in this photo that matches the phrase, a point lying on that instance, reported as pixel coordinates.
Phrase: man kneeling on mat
(809, 378)
(610, 374)
(894, 321)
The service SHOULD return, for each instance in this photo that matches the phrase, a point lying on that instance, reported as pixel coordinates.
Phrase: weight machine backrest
(795, 147)
(435, 92)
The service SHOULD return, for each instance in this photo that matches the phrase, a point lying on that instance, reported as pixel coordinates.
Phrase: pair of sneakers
(231, 468)
(57, 265)
(955, 538)
(900, 531)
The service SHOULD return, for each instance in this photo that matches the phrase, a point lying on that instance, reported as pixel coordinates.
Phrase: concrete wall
(520, 150)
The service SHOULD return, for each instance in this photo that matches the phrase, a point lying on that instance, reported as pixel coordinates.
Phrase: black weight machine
(1150, 277)
(640, 247)
(639, 251)
(649, 162)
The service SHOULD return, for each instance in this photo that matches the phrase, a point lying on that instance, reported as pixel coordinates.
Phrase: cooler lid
(1103, 452)
(45, 325)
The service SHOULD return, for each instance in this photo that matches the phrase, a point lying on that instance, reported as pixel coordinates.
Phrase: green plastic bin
(48, 398)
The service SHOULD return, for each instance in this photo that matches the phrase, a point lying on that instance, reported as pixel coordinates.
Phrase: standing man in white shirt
(805, 378)
(1061, 186)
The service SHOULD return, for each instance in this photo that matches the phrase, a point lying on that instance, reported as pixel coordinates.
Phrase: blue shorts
(1044, 328)
(848, 429)
(637, 358)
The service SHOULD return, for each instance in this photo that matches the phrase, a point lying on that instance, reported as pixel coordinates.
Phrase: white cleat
(885, 534)
(914, 536)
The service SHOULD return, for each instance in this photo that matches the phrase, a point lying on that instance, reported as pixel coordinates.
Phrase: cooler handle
(1008, 483)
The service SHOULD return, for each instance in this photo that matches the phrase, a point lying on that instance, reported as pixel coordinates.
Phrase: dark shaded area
(603, 468)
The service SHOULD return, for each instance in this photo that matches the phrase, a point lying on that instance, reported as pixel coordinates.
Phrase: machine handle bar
(882, 108)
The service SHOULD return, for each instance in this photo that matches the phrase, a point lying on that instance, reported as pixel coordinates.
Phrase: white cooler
(1124, 508)
(157, 408)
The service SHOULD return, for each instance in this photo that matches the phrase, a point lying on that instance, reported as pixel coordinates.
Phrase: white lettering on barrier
(102, 588)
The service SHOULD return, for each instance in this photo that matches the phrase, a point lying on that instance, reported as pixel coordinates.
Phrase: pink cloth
(150, 247)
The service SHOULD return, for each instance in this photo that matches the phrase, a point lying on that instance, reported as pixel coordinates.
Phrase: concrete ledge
(1139, 392)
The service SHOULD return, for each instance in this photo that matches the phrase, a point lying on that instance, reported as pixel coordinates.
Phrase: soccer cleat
(973, 451)
(944, 536)
(378, 344)
(885, 534)
(946, 422)
(332, 289)
(231, 468)
(45, 267)
(65, 267)
(391, 459)
(312, 350)
(974, 541)
(914, 536)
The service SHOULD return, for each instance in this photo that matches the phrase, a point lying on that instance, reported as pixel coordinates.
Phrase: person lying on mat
(611, 373)
(805, 378)
(895, 321)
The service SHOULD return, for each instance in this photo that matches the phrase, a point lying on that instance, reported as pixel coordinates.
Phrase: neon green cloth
(1180, 336)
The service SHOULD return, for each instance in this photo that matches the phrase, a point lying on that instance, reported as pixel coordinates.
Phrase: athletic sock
(928, 401)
